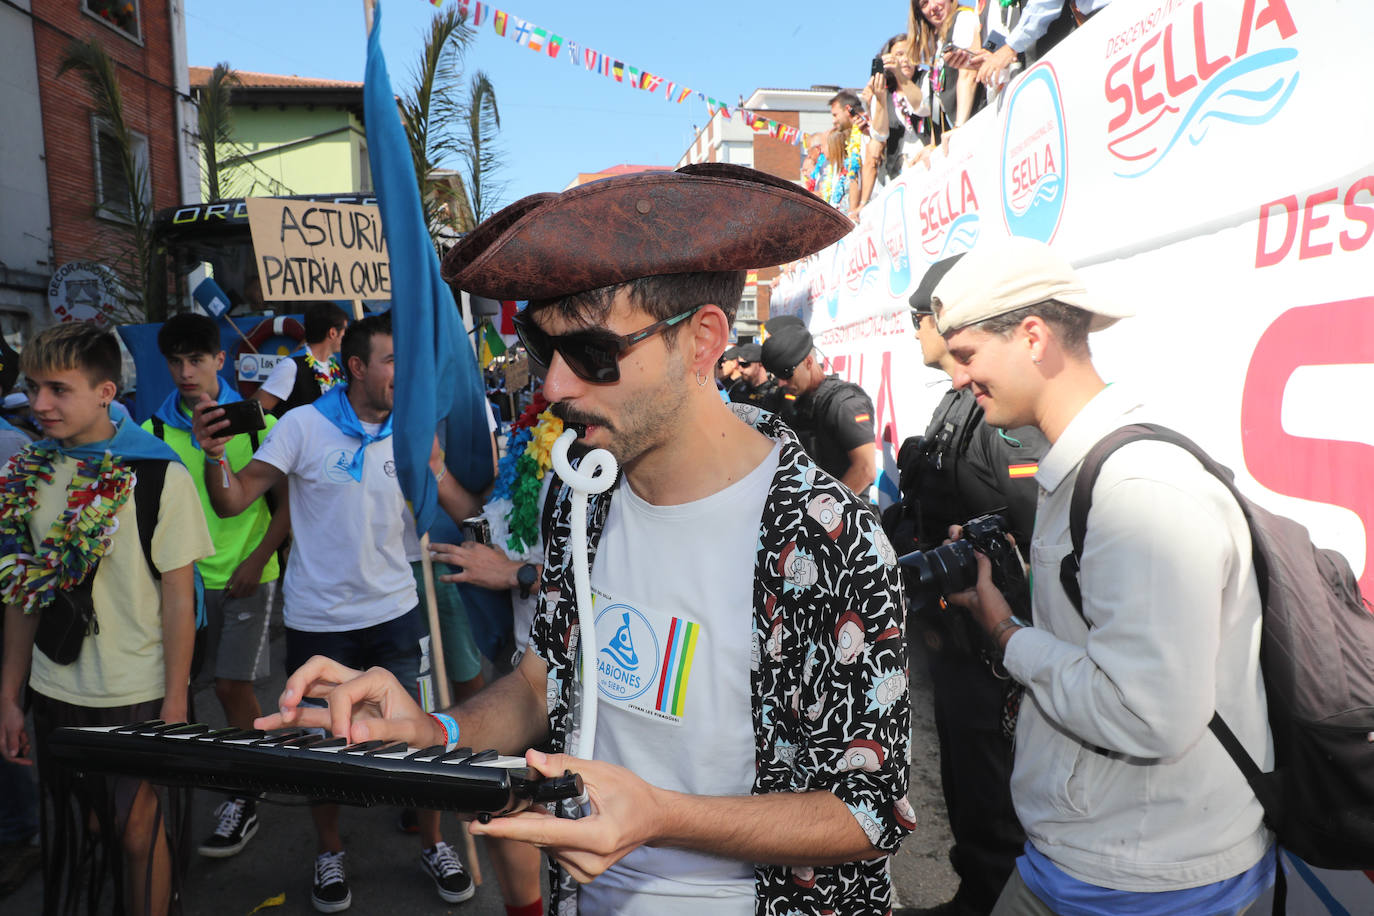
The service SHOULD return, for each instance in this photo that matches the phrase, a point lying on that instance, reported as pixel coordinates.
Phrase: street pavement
(272, 875)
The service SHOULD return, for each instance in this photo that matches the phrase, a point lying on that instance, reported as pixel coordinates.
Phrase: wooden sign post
(312, 250)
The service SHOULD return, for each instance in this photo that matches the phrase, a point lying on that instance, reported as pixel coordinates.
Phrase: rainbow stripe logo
(677, 666)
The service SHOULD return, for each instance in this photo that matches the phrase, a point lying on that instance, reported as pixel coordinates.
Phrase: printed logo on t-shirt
(336, 463)
(644, 664)
(389, 468)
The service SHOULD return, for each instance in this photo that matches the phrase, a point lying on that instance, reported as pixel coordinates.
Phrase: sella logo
(949, 216)
(860, 263)
(1200, 72)
(1034, 156)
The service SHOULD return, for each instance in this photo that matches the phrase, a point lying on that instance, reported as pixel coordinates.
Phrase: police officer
(757, 386)
(962, 468)
(832, 418)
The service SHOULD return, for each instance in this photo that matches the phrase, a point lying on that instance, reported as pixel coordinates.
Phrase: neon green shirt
(234, 537)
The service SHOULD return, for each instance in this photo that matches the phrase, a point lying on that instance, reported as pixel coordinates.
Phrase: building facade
(291, 135)
(731, 140)
(65, 201)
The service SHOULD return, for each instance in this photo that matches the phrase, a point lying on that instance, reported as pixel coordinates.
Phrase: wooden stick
(358, 304)
(437, 666)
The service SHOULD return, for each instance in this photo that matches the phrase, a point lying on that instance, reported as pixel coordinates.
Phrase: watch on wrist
(525, 577)
(1006, 624)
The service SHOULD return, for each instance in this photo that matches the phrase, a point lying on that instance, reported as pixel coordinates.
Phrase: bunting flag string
(543, 41)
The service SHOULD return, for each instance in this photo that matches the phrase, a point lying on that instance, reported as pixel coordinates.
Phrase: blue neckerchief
(130, 442)
(334, 405)
(172, 413)
(300, 351)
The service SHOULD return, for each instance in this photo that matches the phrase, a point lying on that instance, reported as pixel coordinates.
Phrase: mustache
(571, 416)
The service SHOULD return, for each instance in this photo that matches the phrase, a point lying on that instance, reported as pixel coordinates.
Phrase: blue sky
(557, 120)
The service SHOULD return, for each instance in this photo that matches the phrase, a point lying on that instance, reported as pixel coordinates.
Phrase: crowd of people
(751, 626)
(954, 58)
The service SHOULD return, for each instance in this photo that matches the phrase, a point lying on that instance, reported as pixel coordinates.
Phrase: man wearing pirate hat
(723, 778)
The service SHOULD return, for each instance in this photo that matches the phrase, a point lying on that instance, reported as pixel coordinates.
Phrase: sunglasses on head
(593, 354)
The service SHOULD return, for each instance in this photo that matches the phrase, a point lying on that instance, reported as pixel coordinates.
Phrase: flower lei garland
(514, 507)
(79, 536)
(327, 374)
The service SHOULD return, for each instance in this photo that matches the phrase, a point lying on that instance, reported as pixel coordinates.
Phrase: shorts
(236, 632)
(393, 644)
(462, 661)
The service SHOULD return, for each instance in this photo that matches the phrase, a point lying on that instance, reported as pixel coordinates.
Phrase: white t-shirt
(348, 567)
(281, 379)
(674, 596)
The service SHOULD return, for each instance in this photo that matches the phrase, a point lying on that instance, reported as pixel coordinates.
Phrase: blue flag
(436, 373)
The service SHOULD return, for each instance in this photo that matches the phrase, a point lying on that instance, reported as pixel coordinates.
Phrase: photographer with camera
(1129, 805)
(960, 468)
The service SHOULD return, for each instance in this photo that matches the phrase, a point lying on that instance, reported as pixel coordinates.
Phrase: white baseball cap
(1004, 275)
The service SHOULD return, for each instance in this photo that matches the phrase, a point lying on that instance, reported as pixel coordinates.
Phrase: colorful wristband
(450, 726)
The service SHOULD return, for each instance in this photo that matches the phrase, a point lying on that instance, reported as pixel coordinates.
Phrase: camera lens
(947, 569)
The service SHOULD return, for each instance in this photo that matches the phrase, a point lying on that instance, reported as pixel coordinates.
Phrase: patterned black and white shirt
(829, 681)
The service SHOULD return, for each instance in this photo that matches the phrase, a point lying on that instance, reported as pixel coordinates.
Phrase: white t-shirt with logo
(674, 596)
(348, 567)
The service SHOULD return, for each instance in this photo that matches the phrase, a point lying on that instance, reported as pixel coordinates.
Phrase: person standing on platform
(241, 578)
(960, 469)
(350, 594)
(832, 418)
(314, 369)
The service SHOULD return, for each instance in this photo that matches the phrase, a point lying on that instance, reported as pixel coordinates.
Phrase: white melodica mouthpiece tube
(595, 474)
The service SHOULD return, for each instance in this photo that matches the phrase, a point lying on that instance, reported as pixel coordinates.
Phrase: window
(113, 195)
(121, 15)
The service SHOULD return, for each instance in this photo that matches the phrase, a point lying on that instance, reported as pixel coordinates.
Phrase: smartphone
(476, 529)
(243, 416)
(877, 66)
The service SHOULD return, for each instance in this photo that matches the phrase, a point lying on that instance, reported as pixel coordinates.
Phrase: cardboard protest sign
(315, 250)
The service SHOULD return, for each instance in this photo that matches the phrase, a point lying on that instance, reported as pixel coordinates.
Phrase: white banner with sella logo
(1209, 163)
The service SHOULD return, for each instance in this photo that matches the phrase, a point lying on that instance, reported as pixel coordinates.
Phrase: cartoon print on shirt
(849, 638)
(804, 579)
(825, 510)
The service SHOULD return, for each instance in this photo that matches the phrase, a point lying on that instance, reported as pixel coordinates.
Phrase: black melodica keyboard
(298, 761)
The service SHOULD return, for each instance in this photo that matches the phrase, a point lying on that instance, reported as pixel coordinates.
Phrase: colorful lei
(327, 374)
(513, 510)
(79, 536)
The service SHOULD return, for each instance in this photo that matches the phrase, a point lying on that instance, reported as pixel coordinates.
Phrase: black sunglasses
(787, 373)
(592, 354)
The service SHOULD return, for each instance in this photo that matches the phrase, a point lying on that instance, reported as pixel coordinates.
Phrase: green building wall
(293, 149)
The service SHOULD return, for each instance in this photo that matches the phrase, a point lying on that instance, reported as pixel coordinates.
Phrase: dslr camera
(953, 567)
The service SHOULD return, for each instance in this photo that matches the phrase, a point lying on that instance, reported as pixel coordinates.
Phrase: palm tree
(480, 157)
(215, 119)
(441, 125)
(144, 298)
(430, 111)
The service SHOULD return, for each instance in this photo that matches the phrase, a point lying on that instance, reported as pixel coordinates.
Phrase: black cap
(920, 300)
(781, 321)
(750, 352)
(9, 367)
(730, 353)
(786, 347)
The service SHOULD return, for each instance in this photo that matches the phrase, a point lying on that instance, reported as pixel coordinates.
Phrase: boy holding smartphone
(241, 576)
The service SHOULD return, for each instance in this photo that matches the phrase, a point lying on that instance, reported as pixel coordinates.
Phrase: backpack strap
(159, 428)
(1264, 787)
(151, 473)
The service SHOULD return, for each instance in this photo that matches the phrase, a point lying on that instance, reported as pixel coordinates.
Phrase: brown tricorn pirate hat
(707, 217)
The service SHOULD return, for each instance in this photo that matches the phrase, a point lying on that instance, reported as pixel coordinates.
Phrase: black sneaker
(441, 863)
(238, 821)
(330, 893)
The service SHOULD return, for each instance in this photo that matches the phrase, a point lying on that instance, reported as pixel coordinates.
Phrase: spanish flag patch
(862, 418)
(1017, 471)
